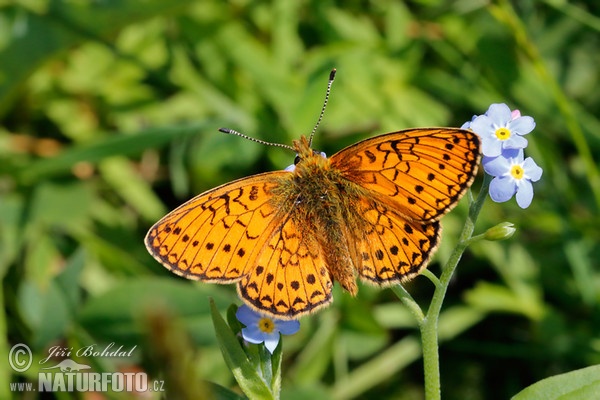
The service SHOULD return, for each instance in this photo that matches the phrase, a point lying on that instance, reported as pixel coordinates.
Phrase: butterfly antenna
(331, 78)
(232, 132)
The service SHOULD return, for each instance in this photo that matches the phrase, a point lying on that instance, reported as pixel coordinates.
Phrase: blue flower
(512, 175)
(467, 125)
(263, 328)
(501, 129)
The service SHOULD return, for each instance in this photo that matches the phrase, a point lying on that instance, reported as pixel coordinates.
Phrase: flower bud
(502, 231)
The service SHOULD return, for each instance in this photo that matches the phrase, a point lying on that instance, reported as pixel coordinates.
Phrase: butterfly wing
(242, 231)
(217, 235)
(392, 249)
(424, 172)
(407, 180)
(291, 278)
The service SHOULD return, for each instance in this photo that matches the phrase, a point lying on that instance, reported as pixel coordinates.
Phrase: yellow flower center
(503, 133)
(517, 172)
(266, 325)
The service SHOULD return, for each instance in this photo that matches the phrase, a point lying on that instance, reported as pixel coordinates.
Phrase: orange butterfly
(371, 210)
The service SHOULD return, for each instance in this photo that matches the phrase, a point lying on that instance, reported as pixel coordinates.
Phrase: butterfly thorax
(316, 196)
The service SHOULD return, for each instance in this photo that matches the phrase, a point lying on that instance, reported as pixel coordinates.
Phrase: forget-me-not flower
(500, 129)
(263, 328)
(512, 175)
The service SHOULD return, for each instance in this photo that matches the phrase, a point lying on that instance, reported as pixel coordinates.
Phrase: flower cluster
(502, 143)
(262, 328)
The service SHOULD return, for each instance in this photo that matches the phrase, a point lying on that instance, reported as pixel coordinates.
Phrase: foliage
(109, 118)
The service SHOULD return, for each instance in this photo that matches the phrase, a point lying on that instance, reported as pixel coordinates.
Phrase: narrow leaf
(245, 375)
(571, 385)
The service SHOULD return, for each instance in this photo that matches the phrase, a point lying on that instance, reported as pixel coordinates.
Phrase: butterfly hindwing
(423, 171)
(291, 278)
(391, 248)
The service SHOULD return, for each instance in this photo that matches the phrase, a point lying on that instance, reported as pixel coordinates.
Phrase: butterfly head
(305, 153)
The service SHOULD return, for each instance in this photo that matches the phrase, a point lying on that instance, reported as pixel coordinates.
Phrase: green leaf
(120, 174)
(276, 358)
(235, 325)
(41, 257)
(11, 230)
(315, 391)
(246, 376)
(580, 384)
(116, 314)
(68, 279)
(46, 311)
(49, 306)
(221, 393)
(489, 297)
(64, 205)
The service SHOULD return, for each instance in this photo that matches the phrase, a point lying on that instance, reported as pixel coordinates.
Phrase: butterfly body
(320, 198)
(371, 210)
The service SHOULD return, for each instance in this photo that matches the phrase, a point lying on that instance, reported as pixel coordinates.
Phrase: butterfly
(370, 211)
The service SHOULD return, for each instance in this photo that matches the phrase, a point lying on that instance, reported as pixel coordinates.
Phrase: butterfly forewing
(424, 172)
(217, 235)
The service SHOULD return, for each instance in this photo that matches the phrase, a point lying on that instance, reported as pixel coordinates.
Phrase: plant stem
(429, 325)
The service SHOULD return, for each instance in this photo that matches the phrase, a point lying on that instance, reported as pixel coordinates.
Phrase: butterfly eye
(296, 160)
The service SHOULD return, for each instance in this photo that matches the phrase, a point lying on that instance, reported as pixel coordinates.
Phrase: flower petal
(496, 166)
(524, 194)
(515, 142)
(271, 342)
(467, 125)
(516, 155)
(253, 334)
(502, 189)
(246, 315)
(491, 147)
(482, 126)
(500, 114)
(522, 125)
(288, 327)
(532, 171)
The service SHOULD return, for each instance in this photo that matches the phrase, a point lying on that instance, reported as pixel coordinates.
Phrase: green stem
(409, 302)
(429, 325)
(431, 276)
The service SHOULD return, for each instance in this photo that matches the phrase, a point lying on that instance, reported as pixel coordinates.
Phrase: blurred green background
(109, 113)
